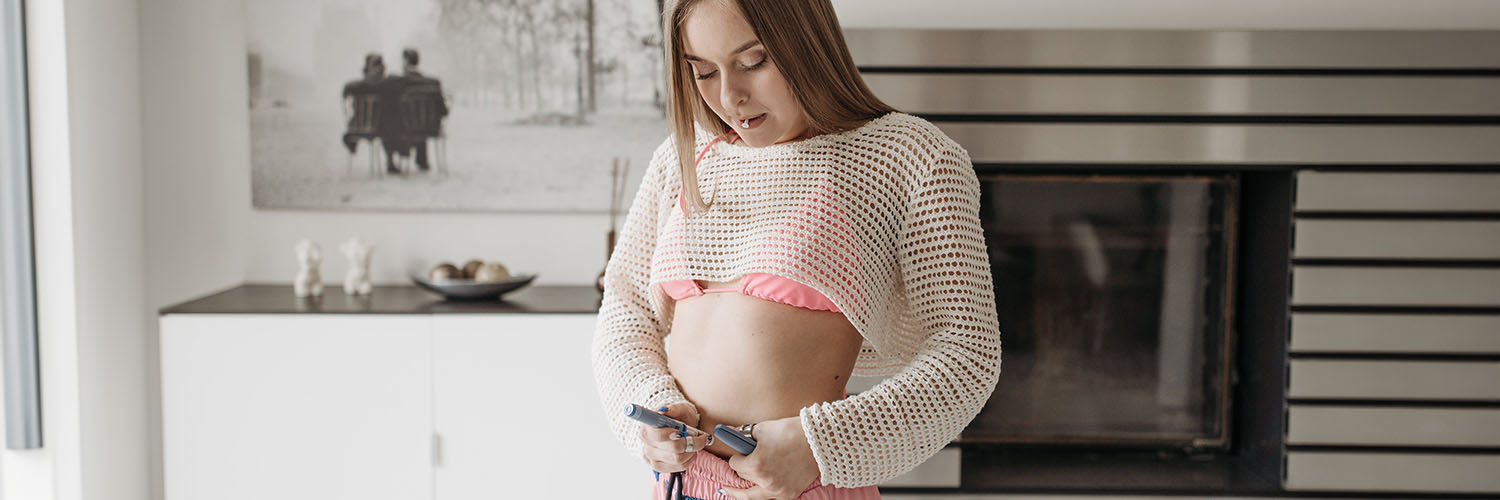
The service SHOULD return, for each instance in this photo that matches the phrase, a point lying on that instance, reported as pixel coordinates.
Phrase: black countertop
(392, 299)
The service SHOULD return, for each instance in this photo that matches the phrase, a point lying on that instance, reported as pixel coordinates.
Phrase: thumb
(681, 412)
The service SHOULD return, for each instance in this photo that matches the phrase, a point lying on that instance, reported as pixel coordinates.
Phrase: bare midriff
(743, 359)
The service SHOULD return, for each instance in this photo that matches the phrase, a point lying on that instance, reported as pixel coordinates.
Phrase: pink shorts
(707, 472)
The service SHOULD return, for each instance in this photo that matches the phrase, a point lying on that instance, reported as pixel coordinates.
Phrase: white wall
(84, 77)
(202, 233)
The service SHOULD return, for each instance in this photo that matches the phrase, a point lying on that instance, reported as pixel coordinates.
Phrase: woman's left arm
(888, 430)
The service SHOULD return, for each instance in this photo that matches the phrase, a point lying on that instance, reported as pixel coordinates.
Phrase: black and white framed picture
(450, 105)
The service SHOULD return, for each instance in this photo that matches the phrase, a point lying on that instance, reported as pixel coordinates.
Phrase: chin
(760, 137)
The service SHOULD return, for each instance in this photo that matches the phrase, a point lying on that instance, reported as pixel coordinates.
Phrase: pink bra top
(766, 286)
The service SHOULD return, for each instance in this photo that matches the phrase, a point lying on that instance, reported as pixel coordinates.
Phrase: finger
(669, 440)
(753, 493)
(687, 444)
(667, 451)
(745, 468)
(654, 435)
(667, 467)
(675, 452)
(680, 413)
(658, 434)
(672, 465)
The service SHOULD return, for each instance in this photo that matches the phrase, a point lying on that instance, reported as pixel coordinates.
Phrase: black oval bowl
(470, 290)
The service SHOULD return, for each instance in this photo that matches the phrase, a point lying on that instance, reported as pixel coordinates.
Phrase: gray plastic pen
(654, 419)
(646, 416)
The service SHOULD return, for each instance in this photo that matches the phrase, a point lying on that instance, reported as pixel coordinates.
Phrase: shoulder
(663, 166)
(909, 141)
(922, 136)
(665, 152)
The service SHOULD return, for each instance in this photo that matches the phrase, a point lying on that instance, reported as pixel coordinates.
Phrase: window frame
(18, 322)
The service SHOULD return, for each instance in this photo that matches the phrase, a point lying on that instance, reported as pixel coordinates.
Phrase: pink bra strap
(711, 144)
(681, 205)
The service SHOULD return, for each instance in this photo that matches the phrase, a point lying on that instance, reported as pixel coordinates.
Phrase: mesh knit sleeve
(628, 352)
(888, 430)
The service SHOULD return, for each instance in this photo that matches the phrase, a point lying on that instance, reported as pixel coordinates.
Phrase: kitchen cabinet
(392, 396)
(293, 407)
(516, 413)
(397, 396)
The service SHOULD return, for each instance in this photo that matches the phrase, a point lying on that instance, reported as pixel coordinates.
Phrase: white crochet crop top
(884, 222)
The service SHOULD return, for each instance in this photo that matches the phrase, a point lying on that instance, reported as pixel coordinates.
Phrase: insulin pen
(646, 416)
(654, 419)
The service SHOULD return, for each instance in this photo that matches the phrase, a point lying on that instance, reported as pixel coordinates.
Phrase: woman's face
(736, 77)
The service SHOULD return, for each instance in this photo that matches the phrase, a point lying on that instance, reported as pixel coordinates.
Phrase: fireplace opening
(1143, 317)
(1116, 300)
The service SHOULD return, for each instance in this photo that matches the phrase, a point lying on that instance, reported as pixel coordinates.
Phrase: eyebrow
(742, 48)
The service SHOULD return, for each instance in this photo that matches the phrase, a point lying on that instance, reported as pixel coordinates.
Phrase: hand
(664, 448)
(782, 465)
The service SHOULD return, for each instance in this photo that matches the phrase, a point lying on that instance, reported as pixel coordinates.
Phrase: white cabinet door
(296, 406)
(517, 413)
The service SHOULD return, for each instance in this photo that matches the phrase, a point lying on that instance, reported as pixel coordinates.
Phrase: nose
(733, 92)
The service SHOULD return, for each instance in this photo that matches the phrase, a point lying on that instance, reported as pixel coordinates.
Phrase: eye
(758, 64)
(698, 73)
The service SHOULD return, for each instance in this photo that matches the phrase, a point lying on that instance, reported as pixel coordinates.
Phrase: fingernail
(721, 491)
(662, 409)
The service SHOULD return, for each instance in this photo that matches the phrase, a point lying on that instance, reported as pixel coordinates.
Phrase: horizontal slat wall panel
(1344, 99)
(1320, 285)
(1166, 48)
(979, 94)
(1116, 143)
(1394, 380)
(1413, 472)
(1395, 333)
(1378, 426)
(940, 471)
(1418, 191)
(1333, 238)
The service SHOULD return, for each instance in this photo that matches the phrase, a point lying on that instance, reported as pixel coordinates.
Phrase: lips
(749, 121)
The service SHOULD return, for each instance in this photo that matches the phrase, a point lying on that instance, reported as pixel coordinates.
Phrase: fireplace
(1116, 292)
(1139, 201)
(1138, 355)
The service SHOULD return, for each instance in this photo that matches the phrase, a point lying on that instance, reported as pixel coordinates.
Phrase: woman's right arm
(629, 353)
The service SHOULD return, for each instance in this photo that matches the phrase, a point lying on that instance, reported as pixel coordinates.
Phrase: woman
(848, 236)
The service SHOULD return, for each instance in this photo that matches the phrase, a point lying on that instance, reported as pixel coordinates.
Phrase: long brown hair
(804, 40)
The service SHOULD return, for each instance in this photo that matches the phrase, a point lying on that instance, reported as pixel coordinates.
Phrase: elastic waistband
(707, 473)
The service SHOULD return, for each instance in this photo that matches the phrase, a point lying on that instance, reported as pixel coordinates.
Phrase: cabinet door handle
(437, 449)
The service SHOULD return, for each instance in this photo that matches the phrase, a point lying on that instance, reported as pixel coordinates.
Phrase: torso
(742, 359)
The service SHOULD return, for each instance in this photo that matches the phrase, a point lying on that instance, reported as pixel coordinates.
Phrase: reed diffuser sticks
(619, 171)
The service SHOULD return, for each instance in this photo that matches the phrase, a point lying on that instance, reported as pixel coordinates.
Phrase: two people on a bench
(403, 111)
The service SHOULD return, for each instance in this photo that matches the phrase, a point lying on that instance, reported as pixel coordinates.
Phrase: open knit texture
(883, 220)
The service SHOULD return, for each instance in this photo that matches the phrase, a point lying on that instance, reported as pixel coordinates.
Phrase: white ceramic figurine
(309, 282)
(357, 279)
